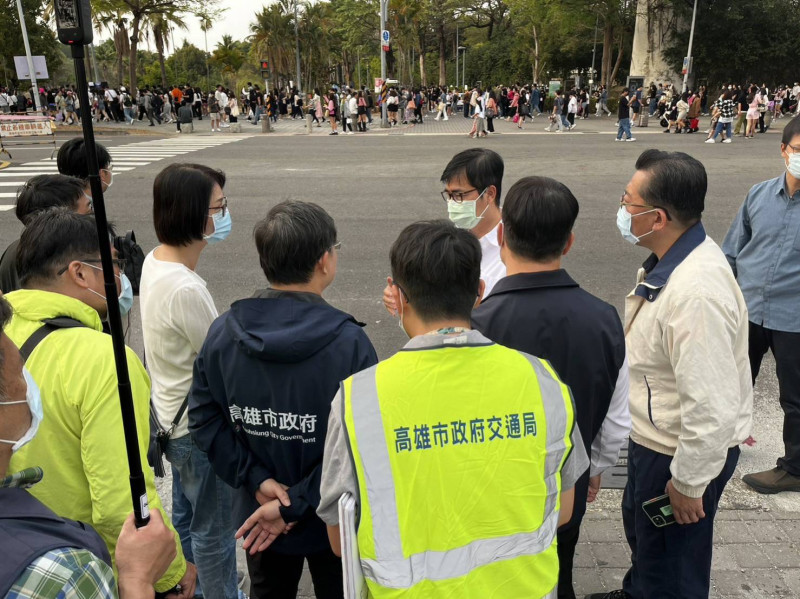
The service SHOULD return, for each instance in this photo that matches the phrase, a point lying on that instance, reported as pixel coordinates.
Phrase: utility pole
(384, 10)
(94, 63)
(688, 65)
(457, 57)
(37, 102)
(299, 84)
(594, 52)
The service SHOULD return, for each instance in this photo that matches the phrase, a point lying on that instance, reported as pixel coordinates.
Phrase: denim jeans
(624, 129)
(202, 516)
(720, 127)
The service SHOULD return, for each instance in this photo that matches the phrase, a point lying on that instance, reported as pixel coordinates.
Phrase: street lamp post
(299, 84)
(384, 113)
(594, 52)
(689, 54)
(37, 101)
(463, 66)
(457, 46)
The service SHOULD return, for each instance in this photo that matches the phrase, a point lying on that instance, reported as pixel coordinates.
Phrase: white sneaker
(727, 141)
(619, 139)
(710, 141)
(631, 139)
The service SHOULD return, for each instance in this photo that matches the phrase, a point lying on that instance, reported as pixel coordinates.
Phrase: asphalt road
(373, 185)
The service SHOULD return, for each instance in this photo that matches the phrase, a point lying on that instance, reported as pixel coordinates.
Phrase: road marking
(126, 158)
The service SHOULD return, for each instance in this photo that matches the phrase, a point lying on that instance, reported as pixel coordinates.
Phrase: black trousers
(785, 347)
(277, 576)
(672, 562)
(567, 540)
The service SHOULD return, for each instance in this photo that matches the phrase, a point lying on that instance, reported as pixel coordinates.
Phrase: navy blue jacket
(260, 399)
(546, 314)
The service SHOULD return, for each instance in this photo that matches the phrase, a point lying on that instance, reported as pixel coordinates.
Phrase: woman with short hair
(190, 211)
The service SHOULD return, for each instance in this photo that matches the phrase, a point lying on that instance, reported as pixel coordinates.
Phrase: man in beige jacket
(691, 395)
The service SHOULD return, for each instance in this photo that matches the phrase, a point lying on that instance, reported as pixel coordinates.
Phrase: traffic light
(265, 69)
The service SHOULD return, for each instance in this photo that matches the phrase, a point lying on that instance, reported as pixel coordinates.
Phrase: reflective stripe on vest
(382, 556)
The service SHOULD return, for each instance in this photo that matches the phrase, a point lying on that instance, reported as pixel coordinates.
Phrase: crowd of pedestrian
(472, 452)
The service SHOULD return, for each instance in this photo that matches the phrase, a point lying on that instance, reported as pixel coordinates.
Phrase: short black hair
(291, 240)
(481, 167)
(47, 191)
(438, 268)
(538, 216)
(52, 240)
(71, 159)
(181, 201)
(678, 184)
(790, 131)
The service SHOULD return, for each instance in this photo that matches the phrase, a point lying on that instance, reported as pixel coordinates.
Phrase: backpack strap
(50, 325)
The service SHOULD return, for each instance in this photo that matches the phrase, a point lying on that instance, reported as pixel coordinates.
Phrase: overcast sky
(235, 22)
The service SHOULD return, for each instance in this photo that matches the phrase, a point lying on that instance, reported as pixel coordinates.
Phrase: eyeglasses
(795, 149)
(223, 207)
(623, 203)
(337, 246)
(118, 262)
(457, 196)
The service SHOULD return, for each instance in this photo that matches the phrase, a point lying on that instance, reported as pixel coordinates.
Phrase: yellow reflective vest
(458, 450)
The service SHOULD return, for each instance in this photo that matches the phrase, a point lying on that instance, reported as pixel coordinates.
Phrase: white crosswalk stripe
(125, 158)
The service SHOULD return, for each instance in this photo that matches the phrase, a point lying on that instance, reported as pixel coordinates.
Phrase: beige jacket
(691, 394)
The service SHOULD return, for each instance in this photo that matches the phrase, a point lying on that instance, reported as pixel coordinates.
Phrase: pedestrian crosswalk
(125, 158)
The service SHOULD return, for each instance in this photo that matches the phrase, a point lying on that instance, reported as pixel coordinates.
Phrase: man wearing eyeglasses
(763, 248)
(473, 180)
(79, 444)
(691, 397)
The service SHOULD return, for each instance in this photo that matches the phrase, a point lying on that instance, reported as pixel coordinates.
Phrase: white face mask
(793, 165)
(34, 400)
(624, 224)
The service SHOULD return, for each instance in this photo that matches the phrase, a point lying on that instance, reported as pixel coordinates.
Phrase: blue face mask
(222, 228)
(126, 296)
(34, 400)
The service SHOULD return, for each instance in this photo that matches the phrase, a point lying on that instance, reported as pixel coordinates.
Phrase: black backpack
(134, 258)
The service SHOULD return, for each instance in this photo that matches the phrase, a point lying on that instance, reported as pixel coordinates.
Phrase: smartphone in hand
(659, 510)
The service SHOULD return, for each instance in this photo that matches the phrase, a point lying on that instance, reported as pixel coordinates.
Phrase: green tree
(273, 38)
(140, 11)
(738, 41)
(40, 35)
(229, 57)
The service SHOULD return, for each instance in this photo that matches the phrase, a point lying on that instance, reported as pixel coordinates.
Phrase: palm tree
(273, 37)
(160, 25)
(228, 54)
(111, 16)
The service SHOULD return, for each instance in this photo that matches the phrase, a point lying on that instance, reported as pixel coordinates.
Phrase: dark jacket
(29, 530)
(548, 315)
(9, 278)
(261, 395)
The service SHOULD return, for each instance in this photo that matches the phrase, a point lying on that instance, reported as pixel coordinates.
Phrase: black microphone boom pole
(73, 18)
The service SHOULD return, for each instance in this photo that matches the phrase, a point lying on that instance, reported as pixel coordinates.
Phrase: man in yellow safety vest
(462, 454)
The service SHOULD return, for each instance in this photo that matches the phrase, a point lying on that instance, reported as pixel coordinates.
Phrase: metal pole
(691, 39)
(37, 102)
(138, 489)
(299, 84)
(205, 35)
(358, 57)
(94, 64)
(594, 50)
(464, 68)
(384, 113)
(457, 57)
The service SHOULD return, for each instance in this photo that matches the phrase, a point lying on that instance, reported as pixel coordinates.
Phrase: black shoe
(618, 594)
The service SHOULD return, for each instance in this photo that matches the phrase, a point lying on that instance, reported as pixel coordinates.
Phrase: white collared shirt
(492, 268)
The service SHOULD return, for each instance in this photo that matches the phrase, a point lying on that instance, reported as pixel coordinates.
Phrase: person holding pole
(79, 444)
